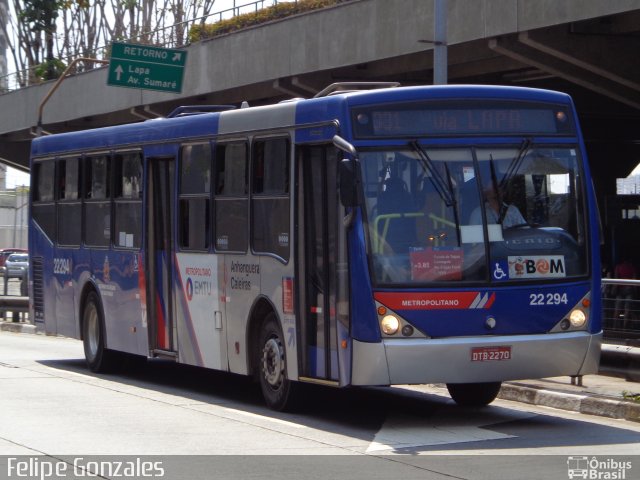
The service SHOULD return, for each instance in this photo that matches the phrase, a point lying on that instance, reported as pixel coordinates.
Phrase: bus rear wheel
(277, 389)
(99, 359)
(474, 394)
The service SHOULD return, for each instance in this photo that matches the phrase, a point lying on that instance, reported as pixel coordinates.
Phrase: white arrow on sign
(176, 57)
(118, 71)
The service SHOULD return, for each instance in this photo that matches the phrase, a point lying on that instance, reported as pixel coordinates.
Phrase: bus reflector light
(390, 325)
(382, 310)
(287, 295)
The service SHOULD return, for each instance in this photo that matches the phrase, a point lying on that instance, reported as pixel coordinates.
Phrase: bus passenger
(497, 211)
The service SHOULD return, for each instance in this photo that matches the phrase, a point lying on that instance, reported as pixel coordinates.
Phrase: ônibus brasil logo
(597, 469)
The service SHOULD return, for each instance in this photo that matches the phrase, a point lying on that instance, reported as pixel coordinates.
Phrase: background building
(4, 7)
(14, 207)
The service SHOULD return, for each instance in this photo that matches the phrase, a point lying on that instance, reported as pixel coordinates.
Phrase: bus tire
(99, 359)
(474, 394)
(271, 360)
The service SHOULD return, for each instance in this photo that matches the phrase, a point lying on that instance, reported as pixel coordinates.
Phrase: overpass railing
(14, 300)
(172, 36)
(621, 308)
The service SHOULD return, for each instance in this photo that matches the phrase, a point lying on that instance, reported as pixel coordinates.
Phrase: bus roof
(271, 116)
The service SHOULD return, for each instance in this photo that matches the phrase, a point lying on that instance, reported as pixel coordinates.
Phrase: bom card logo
(537, 266)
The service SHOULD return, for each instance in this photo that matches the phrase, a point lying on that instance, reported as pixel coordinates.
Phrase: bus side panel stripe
(186, 316)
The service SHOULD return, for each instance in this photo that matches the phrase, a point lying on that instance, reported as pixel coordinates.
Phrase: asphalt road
(52, 407)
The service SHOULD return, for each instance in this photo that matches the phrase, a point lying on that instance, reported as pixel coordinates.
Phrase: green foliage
(275, 12)
(634, 397)
(50, 69)
(40, 15)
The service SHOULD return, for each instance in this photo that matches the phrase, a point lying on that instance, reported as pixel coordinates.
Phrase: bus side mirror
(348, 182)
(348, 178)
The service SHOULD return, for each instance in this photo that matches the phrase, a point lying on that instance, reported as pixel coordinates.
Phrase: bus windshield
(503, 213)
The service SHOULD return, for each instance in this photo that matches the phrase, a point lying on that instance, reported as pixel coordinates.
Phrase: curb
(16, 327)
(587, 404)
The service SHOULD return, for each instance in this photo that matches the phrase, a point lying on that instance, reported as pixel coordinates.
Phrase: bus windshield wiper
(442, 186)
(514, 166)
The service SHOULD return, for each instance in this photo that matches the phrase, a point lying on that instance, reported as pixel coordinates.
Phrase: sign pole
(440, 60)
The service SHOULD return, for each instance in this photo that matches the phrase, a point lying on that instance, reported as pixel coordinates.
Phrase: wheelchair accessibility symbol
(500, 271)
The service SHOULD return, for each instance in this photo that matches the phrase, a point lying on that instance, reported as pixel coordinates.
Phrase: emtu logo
(189, 289)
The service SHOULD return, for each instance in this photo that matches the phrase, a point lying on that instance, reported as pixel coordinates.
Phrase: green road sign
(150, 68)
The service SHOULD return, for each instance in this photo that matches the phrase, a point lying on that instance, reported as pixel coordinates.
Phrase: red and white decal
(435, 300)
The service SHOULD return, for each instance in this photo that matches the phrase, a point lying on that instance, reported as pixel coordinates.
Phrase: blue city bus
(398, 235)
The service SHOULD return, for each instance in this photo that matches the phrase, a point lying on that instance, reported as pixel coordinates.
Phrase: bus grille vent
(38, 292)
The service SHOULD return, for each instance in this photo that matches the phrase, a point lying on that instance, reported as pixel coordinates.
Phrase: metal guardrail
(621, 308)
(14, 299)
(172, 36)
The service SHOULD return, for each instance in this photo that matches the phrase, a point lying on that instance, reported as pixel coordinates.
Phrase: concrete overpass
(588, 48)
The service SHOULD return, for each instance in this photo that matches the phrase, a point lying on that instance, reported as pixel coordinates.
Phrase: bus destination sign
(459, 119)
(146, 67)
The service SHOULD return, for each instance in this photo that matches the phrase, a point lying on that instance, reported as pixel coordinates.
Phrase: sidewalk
(598, 395)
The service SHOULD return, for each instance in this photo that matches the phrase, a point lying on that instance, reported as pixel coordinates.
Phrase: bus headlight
(389, 325)
(577, 318)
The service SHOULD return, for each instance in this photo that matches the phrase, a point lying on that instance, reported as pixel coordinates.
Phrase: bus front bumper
(451, 360)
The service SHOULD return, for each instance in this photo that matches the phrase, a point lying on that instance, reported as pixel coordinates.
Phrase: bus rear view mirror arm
(345, 146)
(347, 173)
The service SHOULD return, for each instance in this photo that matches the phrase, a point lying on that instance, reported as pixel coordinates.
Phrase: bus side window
(43, 209)
(270, 200)
(231, 204)
(128, 200)
(69, 205)
(97, 207)
(195, 187)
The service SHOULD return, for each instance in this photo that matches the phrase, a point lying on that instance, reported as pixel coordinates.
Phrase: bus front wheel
(98, 358)
(271, 360)
(474, 394)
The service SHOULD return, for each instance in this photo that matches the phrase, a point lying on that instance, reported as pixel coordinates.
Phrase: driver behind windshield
(497, 210)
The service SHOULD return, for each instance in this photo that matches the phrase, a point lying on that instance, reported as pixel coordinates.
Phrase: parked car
(4, 254)
(16, 265)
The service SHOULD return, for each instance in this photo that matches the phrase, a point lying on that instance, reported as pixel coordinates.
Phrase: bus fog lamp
(577, 318)
(407, 330)
(390, 325)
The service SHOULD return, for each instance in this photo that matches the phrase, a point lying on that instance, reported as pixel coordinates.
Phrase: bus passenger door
(322, 269)
(159, 261)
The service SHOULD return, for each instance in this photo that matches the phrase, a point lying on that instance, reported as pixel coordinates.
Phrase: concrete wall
(14, 218)
(349, 34)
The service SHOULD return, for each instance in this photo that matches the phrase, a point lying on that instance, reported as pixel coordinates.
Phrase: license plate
(491, 354)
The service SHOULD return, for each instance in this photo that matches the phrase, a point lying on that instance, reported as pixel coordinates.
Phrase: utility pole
(440, 60)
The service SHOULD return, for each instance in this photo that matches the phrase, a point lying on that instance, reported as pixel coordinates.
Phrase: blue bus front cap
(517, 310)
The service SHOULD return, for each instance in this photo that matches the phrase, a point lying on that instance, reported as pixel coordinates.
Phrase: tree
(44, 35)
(39, 17)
